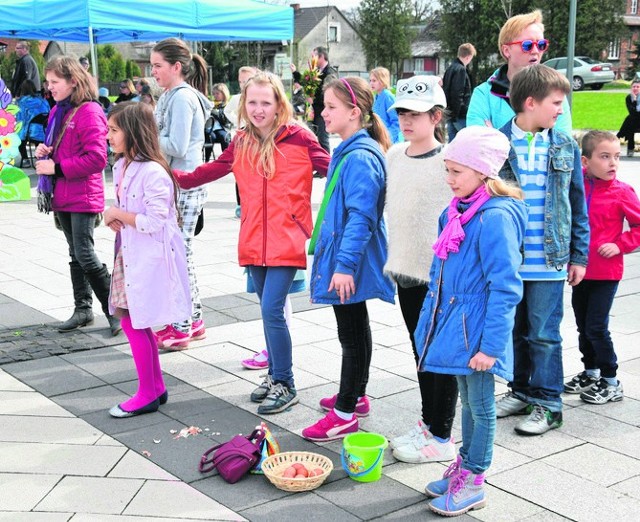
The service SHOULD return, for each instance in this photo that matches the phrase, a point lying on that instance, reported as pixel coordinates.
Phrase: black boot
(100, 281)
(82, 314)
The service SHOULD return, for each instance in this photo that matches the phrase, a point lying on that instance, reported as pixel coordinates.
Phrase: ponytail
(198, 74)
(497, 187)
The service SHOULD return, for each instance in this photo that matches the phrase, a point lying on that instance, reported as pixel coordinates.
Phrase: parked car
(586, 71)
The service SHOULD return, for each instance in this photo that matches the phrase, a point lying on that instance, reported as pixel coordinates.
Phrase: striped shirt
(532, 151)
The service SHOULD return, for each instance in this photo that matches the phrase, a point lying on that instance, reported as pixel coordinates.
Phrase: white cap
(419, 93)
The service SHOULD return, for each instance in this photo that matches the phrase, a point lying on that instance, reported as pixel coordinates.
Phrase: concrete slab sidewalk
(62, 458)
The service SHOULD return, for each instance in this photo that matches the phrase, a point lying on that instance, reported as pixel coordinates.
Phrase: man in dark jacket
(26, 69)
(326, 73)
(457, 89)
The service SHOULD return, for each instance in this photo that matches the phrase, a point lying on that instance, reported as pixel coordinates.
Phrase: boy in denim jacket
(545, 163)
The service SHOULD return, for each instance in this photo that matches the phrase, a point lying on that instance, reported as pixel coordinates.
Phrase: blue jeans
(455, 126)
(478, 420)
(537, 345)
(272, 285)
(591, 301)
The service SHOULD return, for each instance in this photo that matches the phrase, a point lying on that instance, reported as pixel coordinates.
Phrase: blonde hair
(382, 75)
(252, 147)
(364, 101)
(515, 25)
(223, 89)
(497, 187)
(71, 70)
(249, 70)
(466, 49)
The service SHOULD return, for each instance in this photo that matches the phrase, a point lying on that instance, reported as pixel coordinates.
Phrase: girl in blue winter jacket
(468, 314)
(351, 247)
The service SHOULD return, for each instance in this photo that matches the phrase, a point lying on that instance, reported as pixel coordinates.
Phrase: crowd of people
(485, 227)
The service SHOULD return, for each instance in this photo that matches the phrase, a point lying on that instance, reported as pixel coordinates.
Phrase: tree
(479, 22)
(111, 65)
(634, 59)
(385, 27)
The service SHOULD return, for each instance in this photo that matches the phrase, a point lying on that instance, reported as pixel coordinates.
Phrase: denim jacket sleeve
(579, 246)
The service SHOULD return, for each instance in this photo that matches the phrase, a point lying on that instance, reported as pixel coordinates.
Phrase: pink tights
(147, 361)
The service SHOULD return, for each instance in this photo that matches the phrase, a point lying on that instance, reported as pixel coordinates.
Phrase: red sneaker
(362, 406)
(173, 340)
(331, 427)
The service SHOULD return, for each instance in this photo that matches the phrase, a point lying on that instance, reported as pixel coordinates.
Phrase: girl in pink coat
(150, 284)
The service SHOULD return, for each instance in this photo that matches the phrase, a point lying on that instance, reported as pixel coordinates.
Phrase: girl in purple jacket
(70, 164)
(150, 284)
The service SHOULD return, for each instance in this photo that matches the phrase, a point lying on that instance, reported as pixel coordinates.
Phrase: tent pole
(94, 56)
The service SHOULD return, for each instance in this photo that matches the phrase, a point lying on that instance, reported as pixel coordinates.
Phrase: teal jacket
(490, 102)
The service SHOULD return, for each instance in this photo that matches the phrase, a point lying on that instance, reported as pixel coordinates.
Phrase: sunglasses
(527, 45)
(123, 86)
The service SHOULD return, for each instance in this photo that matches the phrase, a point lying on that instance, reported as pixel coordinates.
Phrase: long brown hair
(137, 123)
(70, 69)
(252, 146)
(364, 101)
(194, 66)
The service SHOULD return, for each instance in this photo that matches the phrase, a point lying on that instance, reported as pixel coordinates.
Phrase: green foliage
(132, 70)
(385, 27)
(219, 56)
(598, 23)
(111, 65)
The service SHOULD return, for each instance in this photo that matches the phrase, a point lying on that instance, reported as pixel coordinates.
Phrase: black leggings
(439, 391)
(355, 337)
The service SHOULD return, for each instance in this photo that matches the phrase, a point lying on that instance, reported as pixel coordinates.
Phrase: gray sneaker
(579, 383)
(511, 405)
(279, 399)
(261, 392)
(601, 392)
(539, 421)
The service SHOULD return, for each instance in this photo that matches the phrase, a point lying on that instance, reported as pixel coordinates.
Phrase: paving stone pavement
(62, 458)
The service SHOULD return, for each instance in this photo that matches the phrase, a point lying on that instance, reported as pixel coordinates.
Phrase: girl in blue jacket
(468, 314)
(351, 247)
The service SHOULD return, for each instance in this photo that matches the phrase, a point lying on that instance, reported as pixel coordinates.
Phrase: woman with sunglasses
(521, 43)
(127, 91)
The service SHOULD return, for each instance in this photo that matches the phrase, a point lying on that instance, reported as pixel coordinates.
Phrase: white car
(586, 71)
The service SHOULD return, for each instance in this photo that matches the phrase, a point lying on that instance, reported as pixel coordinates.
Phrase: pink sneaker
(362, 406)
(172, 340)
(253, 364)
(197, 330)
(330, 427)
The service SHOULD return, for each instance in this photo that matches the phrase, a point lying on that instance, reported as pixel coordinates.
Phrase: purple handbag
(233, 459)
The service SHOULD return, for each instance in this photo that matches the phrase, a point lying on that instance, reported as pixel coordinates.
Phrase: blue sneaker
(438, 488)
(466, 492)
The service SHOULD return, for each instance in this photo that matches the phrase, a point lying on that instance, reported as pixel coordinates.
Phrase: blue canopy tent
(109, 21)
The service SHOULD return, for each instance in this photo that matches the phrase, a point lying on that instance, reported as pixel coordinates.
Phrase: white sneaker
(511, 405)
(423, 448)
(403, 440)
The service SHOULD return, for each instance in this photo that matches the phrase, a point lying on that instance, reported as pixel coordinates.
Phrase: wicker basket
(275, 465)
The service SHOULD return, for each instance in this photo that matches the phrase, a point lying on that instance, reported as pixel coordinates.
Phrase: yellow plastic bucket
(362, 455)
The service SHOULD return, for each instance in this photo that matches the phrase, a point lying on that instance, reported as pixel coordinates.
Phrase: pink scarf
(452, 234)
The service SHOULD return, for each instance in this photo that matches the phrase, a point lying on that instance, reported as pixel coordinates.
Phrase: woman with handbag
(180, 114)
(69, 164)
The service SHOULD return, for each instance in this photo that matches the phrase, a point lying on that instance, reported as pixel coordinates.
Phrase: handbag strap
(206, 465)
(64, 128)
(323, 206)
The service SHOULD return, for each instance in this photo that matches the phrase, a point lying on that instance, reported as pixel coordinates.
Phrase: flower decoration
(310, 81)
(14, 184)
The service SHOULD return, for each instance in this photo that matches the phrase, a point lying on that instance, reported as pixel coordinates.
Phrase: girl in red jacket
(610, 202)
(272, 158)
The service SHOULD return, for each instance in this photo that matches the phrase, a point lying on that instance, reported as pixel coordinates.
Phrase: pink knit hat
(481, 148)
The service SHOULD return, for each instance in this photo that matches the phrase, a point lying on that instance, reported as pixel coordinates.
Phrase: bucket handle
(364, 472)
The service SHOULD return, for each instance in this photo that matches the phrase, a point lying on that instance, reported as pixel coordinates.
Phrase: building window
(614, 50)
(634, 7)
(333, 34)
(418, 65)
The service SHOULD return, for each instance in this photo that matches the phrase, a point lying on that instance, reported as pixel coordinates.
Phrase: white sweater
(417, 193)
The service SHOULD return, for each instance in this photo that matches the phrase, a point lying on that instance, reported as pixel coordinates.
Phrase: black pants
(629, 127)
(320, 129)
(354, 334)
(438, 391)
(592, 301)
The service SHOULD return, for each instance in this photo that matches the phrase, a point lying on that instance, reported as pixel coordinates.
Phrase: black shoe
(80, 317)
(162, 399)
(114, 325)
(119, 413)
